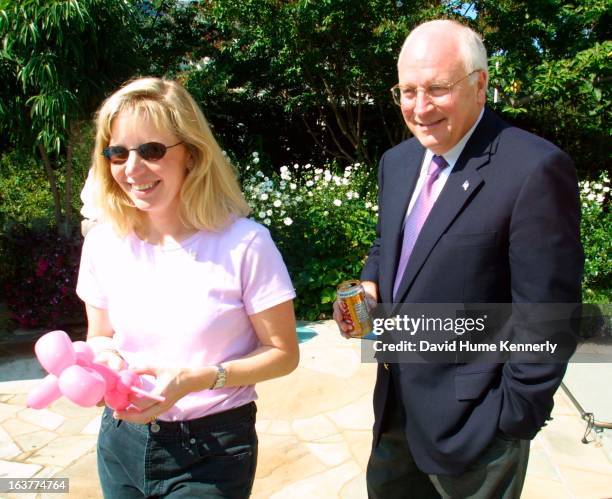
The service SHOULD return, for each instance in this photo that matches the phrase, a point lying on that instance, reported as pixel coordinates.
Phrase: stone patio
(314, 431)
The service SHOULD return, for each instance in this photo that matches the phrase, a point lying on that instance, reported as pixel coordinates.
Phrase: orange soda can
(352, 294)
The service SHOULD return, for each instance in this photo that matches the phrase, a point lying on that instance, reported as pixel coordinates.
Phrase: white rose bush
(323, 221)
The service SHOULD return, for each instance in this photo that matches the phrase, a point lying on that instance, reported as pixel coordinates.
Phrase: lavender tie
(417, 216)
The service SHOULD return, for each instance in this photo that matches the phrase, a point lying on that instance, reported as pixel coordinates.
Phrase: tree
(58, 60)
(317, 73)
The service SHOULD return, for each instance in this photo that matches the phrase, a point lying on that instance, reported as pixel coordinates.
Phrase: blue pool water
(305, 333)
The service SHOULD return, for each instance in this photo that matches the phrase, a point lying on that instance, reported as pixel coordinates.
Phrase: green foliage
(550, 65)
(596, 229)
(322, 220)
(308, 77)
(62, 55)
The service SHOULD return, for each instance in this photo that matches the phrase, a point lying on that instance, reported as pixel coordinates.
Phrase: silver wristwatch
(221, 377)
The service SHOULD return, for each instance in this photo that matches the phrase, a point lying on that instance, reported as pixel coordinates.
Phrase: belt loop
(184, 425)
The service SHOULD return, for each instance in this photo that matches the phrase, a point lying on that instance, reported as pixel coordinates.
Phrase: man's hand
(341, 315)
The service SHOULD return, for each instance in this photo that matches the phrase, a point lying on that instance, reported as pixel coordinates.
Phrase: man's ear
(481, 87)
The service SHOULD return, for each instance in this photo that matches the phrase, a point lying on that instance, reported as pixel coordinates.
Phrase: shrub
(39, 276)
(323, 222)
(596, 236)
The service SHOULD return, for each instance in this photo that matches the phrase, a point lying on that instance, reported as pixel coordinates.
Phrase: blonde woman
(181, 287)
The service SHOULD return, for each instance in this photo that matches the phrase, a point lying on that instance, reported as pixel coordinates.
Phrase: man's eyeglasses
(151, 151)
(407, 94)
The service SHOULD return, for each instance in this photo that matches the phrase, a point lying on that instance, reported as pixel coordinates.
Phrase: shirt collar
(452, 155)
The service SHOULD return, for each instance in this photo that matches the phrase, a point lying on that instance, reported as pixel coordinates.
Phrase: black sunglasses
(151, 151)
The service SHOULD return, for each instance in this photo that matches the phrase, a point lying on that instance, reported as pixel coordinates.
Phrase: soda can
(352, 294)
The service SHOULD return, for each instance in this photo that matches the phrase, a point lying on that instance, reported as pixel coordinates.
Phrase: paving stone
(93, 427)
(83, 477)
(7, 411)
(322, 485)
(355, 488)
(280, 427)
(64, 451)
(356, 416)
(34, 441)
(340, 362)
(562, 441)
(11, 469)
(43, 418)
(21, 386)
(360, 444)
(8, 449)
(16, 427)
(313, 428)
(331, 451)
(585, 484)
(541, 488)
(296, 465)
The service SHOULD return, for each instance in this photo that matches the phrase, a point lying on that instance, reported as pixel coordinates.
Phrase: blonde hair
(210, 196)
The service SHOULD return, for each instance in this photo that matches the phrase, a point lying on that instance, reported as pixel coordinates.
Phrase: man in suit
(471, 210)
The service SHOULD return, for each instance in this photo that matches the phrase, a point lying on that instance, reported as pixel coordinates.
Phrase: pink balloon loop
(55, 352)
(44, 394)
(83, 386)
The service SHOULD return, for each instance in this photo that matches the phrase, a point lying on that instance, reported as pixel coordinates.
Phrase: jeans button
(155, 427)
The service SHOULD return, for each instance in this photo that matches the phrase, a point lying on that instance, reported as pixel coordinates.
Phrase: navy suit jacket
(511, 237)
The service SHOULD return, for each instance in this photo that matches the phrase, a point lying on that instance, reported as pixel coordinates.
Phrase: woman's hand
(173, 384)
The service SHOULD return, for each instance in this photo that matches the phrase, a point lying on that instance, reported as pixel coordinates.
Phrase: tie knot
(438, 163)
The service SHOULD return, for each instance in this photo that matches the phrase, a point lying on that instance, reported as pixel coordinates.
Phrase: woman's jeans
(213, 456)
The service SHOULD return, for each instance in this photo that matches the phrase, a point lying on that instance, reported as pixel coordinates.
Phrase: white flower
(337, 202)
(600, 198)
(374, 208)
(598, 187)
(298, 199)
(264, 197)
(368, 204)
(259, 173)
(255, 154)
(356, 195)
(309, 194)
(256, 160)
(293, 186)
(606, 189)
(296, 166)
(349, 195)
(591, 197)
(277, 203)
(318, 171)
(269, 213)
(306, 166)
(309, 183)
(262, 214)
(266, 221)
(399, 3)
(287, 221)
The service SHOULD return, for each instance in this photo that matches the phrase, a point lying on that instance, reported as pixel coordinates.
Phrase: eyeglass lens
(151, 151)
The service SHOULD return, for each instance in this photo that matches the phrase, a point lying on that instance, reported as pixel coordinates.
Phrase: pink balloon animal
(74, 374)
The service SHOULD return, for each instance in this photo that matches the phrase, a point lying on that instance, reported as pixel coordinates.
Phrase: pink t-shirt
(188, 305)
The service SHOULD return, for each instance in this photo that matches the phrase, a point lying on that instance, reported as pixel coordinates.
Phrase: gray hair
(472, 49)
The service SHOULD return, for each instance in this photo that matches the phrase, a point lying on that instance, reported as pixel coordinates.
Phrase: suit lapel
(462, 184)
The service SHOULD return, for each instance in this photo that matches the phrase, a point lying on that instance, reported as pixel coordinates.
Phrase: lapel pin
(465, 185)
